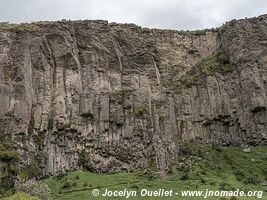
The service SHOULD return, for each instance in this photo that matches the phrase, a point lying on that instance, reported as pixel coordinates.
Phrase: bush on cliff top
(5, 26)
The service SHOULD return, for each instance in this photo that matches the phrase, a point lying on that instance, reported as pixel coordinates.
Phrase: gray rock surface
(119, 93)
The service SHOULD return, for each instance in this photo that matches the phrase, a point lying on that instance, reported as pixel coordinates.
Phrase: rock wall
(116, 96)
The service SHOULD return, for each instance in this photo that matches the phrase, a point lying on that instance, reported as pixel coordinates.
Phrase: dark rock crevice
(125, 96)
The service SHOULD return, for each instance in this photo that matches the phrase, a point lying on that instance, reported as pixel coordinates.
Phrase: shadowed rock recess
(117, 97)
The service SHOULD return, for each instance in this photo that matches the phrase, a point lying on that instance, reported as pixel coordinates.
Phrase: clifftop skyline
(169, 14)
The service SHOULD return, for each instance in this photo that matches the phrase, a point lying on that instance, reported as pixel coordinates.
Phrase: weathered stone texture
(114, 91)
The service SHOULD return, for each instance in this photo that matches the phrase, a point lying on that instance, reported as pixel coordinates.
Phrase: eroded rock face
(113, 92)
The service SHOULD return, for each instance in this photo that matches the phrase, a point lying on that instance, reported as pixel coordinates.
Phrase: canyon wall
(117, 97)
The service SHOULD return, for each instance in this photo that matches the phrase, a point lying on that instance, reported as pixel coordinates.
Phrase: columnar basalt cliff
(115, 97)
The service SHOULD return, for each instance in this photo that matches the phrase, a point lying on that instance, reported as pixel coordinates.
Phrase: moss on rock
(140, 112)
(216, 63)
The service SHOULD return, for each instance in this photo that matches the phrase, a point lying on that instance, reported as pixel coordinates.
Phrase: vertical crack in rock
(118, 97)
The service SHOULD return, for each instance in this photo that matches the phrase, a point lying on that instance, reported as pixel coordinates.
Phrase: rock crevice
(125, 96)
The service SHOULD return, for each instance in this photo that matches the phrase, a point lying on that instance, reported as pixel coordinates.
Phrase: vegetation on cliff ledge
(21, 196)
(11, 169)
(9, 159)
(216, 63)
(141, 112)
(5, 26)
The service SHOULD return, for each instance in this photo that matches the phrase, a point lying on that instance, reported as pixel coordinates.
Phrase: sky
(166, 14)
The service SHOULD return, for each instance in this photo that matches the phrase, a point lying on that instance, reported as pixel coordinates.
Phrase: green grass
(140, 112)
(21, 196)
(9, 160)
(216, 63)
(5, 26)
(215, 168)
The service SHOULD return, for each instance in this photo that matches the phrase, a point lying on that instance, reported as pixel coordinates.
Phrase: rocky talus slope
(116, 97)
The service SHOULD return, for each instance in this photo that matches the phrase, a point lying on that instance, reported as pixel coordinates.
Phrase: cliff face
(116, 97)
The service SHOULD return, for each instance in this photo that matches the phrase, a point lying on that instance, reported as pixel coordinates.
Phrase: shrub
(84, 159)
(218, 62)
(252, 179)
(150, 174)
(246, 178)
(140, 112)
(265, 174)
(9, 156)
(21, 196)
(60, 176)
(234, 198)
(30, 171)
(9, 159)
(67, 184)
(135, 186)
(74, 184)
(34, 188)
(6, 185)
(189, 79)
(217, 148)
(225, 187)
(85, 184)
(5, 26)
(184, 176)
(191, 149)
(240, 175)
(185, 173)
(202, 180)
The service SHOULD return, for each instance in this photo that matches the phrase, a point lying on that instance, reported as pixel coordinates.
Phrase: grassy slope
(21, 196)
(225, 168)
